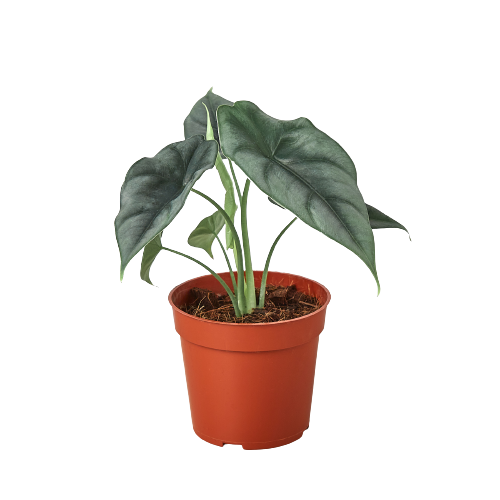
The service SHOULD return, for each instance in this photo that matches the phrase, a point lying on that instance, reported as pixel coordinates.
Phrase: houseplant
(248, 383)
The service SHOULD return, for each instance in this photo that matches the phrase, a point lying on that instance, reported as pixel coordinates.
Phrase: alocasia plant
(298, 166)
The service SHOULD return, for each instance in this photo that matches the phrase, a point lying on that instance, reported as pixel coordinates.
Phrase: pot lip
(190, 316)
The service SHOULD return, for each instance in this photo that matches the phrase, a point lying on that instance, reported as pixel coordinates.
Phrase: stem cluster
(242, 294)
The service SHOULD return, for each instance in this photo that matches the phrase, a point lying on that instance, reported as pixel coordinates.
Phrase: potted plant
(249, 338)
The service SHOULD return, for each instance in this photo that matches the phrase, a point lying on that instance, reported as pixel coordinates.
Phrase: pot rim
(180, 311)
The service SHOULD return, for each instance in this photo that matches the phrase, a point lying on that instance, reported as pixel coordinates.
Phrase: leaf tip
(149, 281)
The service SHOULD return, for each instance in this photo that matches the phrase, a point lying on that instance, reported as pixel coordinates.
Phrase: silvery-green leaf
(151, 250)
(206, 231)
(378, 220)
(155, 190)
(196, 122)
(302, 169)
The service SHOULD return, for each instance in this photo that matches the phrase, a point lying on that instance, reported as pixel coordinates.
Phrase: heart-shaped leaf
(155, 190)
(206, 231)
(302, 169)
(378, 220)
(196, 122)
(151, 250)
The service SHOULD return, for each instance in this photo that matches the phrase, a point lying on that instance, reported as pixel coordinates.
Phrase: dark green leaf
(151, 250)
(303, 170)
(378, 220)
(155, 190)
(196, 122)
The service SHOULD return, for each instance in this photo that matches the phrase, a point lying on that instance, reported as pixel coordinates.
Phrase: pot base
(252, 446)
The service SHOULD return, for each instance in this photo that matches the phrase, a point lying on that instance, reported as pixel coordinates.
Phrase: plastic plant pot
(250, 384)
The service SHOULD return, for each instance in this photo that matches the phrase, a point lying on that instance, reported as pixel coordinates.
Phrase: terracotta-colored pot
(250, 384)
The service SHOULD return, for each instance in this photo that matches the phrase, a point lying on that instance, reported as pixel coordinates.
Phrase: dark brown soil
(281, 303)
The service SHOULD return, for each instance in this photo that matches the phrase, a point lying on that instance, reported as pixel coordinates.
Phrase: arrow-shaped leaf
(155, 190)
(378, 220)
(206, 231)
(302, 169)
(151, 250)
(196, 122)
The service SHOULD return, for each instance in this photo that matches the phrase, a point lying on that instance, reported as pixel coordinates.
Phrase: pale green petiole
(262, 295)
(250, 285)
(229, 202)
(228, 263)
(230, 208)
(242, 305)
(235, 180)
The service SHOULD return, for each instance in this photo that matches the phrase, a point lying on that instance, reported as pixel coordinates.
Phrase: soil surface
(281, 304)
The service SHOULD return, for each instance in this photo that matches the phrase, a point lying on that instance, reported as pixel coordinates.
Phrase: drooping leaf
(302, 169)
(229, 201)
(378, 220)
(196, 122)
(206, 231)
(155, 190)
(151, 250)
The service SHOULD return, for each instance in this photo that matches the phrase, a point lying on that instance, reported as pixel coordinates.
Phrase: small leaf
(155, 190)
(151, 250)
(378, 220)
(206, 231)
(210, 131)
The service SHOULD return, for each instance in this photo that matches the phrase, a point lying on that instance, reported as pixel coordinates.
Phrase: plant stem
(228, 264)
(235, 180)
(250, 288)
(239, 264)
(241, 300)
(215, 275)
(262, 295)
(235, 252)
